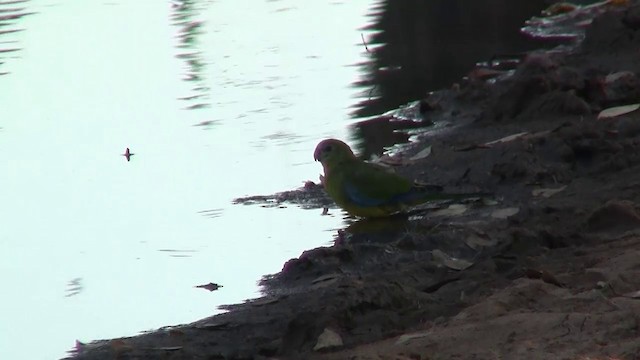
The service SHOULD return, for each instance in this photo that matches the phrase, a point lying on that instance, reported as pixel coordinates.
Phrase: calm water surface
(217, 99)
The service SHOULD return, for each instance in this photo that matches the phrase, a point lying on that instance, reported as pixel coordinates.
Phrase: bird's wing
(369, 185)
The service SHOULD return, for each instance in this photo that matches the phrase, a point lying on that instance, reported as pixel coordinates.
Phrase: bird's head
(331, 152)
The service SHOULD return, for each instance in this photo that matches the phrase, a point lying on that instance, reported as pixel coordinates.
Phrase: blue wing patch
(357, 197)
(360, 199)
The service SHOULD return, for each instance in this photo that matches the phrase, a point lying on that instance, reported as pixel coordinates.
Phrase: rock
(328, 339)
(614, 215)
(505, 213)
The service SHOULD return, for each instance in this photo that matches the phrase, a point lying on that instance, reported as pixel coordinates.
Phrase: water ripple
(189, 30)
(10, 16)
(177, 253)
(211, 213)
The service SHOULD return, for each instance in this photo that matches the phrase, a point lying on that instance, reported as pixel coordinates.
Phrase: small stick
(364, 42)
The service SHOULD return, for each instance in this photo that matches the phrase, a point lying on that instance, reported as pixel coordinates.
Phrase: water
(217, 100)
(94, 246)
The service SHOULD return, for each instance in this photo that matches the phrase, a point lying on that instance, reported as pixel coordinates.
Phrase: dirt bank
(548, 268)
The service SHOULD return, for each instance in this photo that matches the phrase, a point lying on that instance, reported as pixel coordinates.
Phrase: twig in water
(364, 42)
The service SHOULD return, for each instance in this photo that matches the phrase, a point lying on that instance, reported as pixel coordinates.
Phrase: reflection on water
(420, 46)
(11, 12)
(378, 229)
(185, 16)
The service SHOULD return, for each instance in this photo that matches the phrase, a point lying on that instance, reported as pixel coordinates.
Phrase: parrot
(368, 190)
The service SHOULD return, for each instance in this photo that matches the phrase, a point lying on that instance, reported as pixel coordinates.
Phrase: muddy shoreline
(547, 269)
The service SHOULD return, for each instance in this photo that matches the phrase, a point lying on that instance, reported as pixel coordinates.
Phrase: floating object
(210, 286)
(128, 154)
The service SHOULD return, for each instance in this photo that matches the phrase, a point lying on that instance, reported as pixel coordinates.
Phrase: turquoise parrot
(368, 190)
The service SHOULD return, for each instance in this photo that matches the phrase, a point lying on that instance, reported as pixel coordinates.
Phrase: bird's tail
(420, 195)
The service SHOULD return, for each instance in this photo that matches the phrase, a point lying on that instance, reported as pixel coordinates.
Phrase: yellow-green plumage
(364, 189)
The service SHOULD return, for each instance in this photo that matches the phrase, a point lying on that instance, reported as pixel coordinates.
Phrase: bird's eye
(327, 148)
